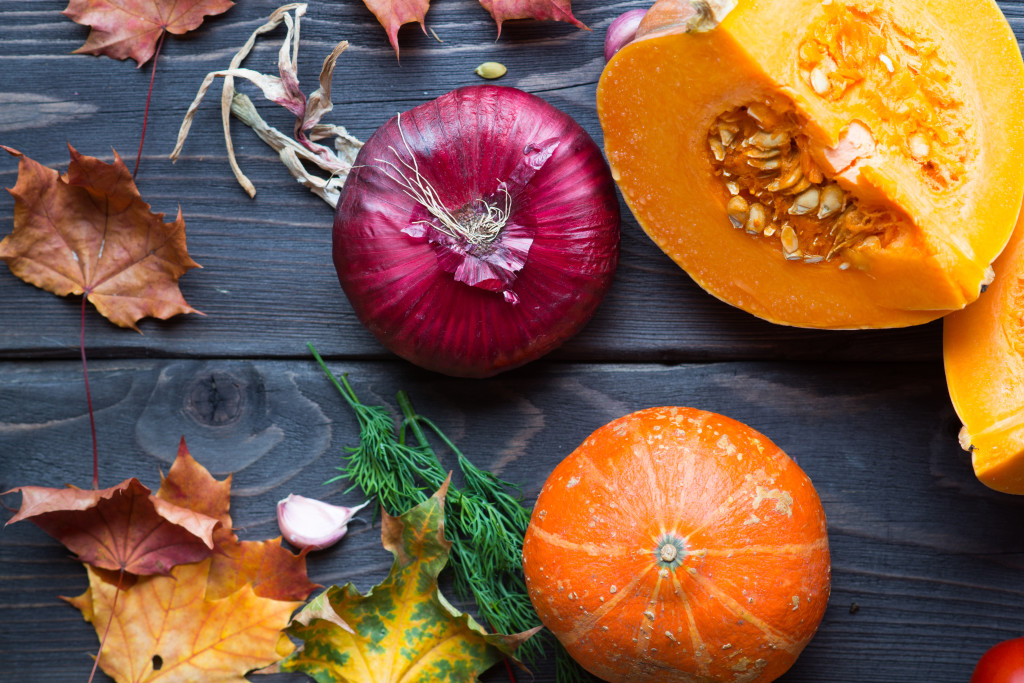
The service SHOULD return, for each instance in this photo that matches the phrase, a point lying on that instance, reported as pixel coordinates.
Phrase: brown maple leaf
(272, 570)
(119, 528)
(554, 10)
(89, 232)
(132, 28)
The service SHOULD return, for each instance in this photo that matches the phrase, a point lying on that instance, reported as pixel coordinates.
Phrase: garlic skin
(312, 524)
(622, 31)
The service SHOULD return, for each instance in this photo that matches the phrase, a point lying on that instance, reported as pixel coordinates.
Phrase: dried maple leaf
(132, 28)
(272, 570)
(89, 232)
(122, 527)
(213, 620)
(554, 10)
(392, 14)
(403, 629)
(169, 629)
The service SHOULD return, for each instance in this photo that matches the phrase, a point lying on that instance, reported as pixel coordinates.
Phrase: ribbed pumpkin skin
(749, 586)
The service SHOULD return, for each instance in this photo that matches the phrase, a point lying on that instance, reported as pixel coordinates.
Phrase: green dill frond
(485, 519)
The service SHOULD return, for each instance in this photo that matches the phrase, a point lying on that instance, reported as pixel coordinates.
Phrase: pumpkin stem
(670, 551)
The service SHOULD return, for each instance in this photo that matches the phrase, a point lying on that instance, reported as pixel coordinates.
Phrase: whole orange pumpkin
(679, 545)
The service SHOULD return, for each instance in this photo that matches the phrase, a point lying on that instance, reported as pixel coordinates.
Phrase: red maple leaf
(89, 232)
(392, 14)
(132, 28)
(553, 10)
(120, 528)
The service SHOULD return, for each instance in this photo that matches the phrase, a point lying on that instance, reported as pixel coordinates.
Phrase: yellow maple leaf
(164, 628)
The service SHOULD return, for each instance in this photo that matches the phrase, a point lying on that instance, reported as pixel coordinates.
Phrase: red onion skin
(621, 31)
(465, 144)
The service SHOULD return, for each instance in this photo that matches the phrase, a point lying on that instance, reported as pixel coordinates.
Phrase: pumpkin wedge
(837, 164)
(983, 352)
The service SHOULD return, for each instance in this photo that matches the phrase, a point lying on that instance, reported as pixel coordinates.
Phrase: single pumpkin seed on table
(491, 70)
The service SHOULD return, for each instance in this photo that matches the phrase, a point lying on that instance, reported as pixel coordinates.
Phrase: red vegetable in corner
(477, 232)
(1002, 663)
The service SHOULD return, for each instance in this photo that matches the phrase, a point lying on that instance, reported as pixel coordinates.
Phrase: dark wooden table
(927, 563)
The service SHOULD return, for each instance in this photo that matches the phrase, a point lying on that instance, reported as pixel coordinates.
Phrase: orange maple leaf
(272, 570)
(209, 621)
(132, 28)
(167, 628)
(89, 232)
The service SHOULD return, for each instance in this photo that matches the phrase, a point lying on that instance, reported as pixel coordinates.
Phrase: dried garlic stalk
(284, 90)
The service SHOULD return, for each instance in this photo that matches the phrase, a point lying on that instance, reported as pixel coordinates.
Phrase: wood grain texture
(926, 561)
(268, 284)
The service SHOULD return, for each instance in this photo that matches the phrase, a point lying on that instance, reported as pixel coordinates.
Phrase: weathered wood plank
(268, 284)
(926, 561)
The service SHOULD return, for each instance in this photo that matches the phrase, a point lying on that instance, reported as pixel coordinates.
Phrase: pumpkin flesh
(886, 107)
(679, 545)
(983, 353)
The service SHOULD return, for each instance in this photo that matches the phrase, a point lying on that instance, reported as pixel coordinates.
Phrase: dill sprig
(484, 520)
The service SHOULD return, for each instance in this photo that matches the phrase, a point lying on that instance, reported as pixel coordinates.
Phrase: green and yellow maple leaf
(403, 630)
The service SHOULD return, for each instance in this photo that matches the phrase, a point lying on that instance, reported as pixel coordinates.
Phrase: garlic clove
(621, 31)
(312, 524)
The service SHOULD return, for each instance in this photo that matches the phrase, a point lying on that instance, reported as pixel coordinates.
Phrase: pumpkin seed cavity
(863, 57)
(777, 191)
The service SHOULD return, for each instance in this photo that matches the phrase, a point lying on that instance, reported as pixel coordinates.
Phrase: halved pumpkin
(983, 351)
(837, 164)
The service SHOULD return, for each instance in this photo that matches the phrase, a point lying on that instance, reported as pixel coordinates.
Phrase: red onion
(477, 232)
(622, 31)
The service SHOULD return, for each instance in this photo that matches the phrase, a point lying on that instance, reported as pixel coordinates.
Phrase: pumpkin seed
(764, 153)
(792, 176)
(805, 202)
(819, 81)
(490, 70)
(765, 140)
(738, 210)
(790, 242)
(765, 164)
(727, 134)
(757, 219)
(717, 148)
(832, 197)
(802, 185)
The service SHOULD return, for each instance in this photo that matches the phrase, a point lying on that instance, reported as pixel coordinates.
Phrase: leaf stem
(106, 629)
(88, 401)
(149, 96)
